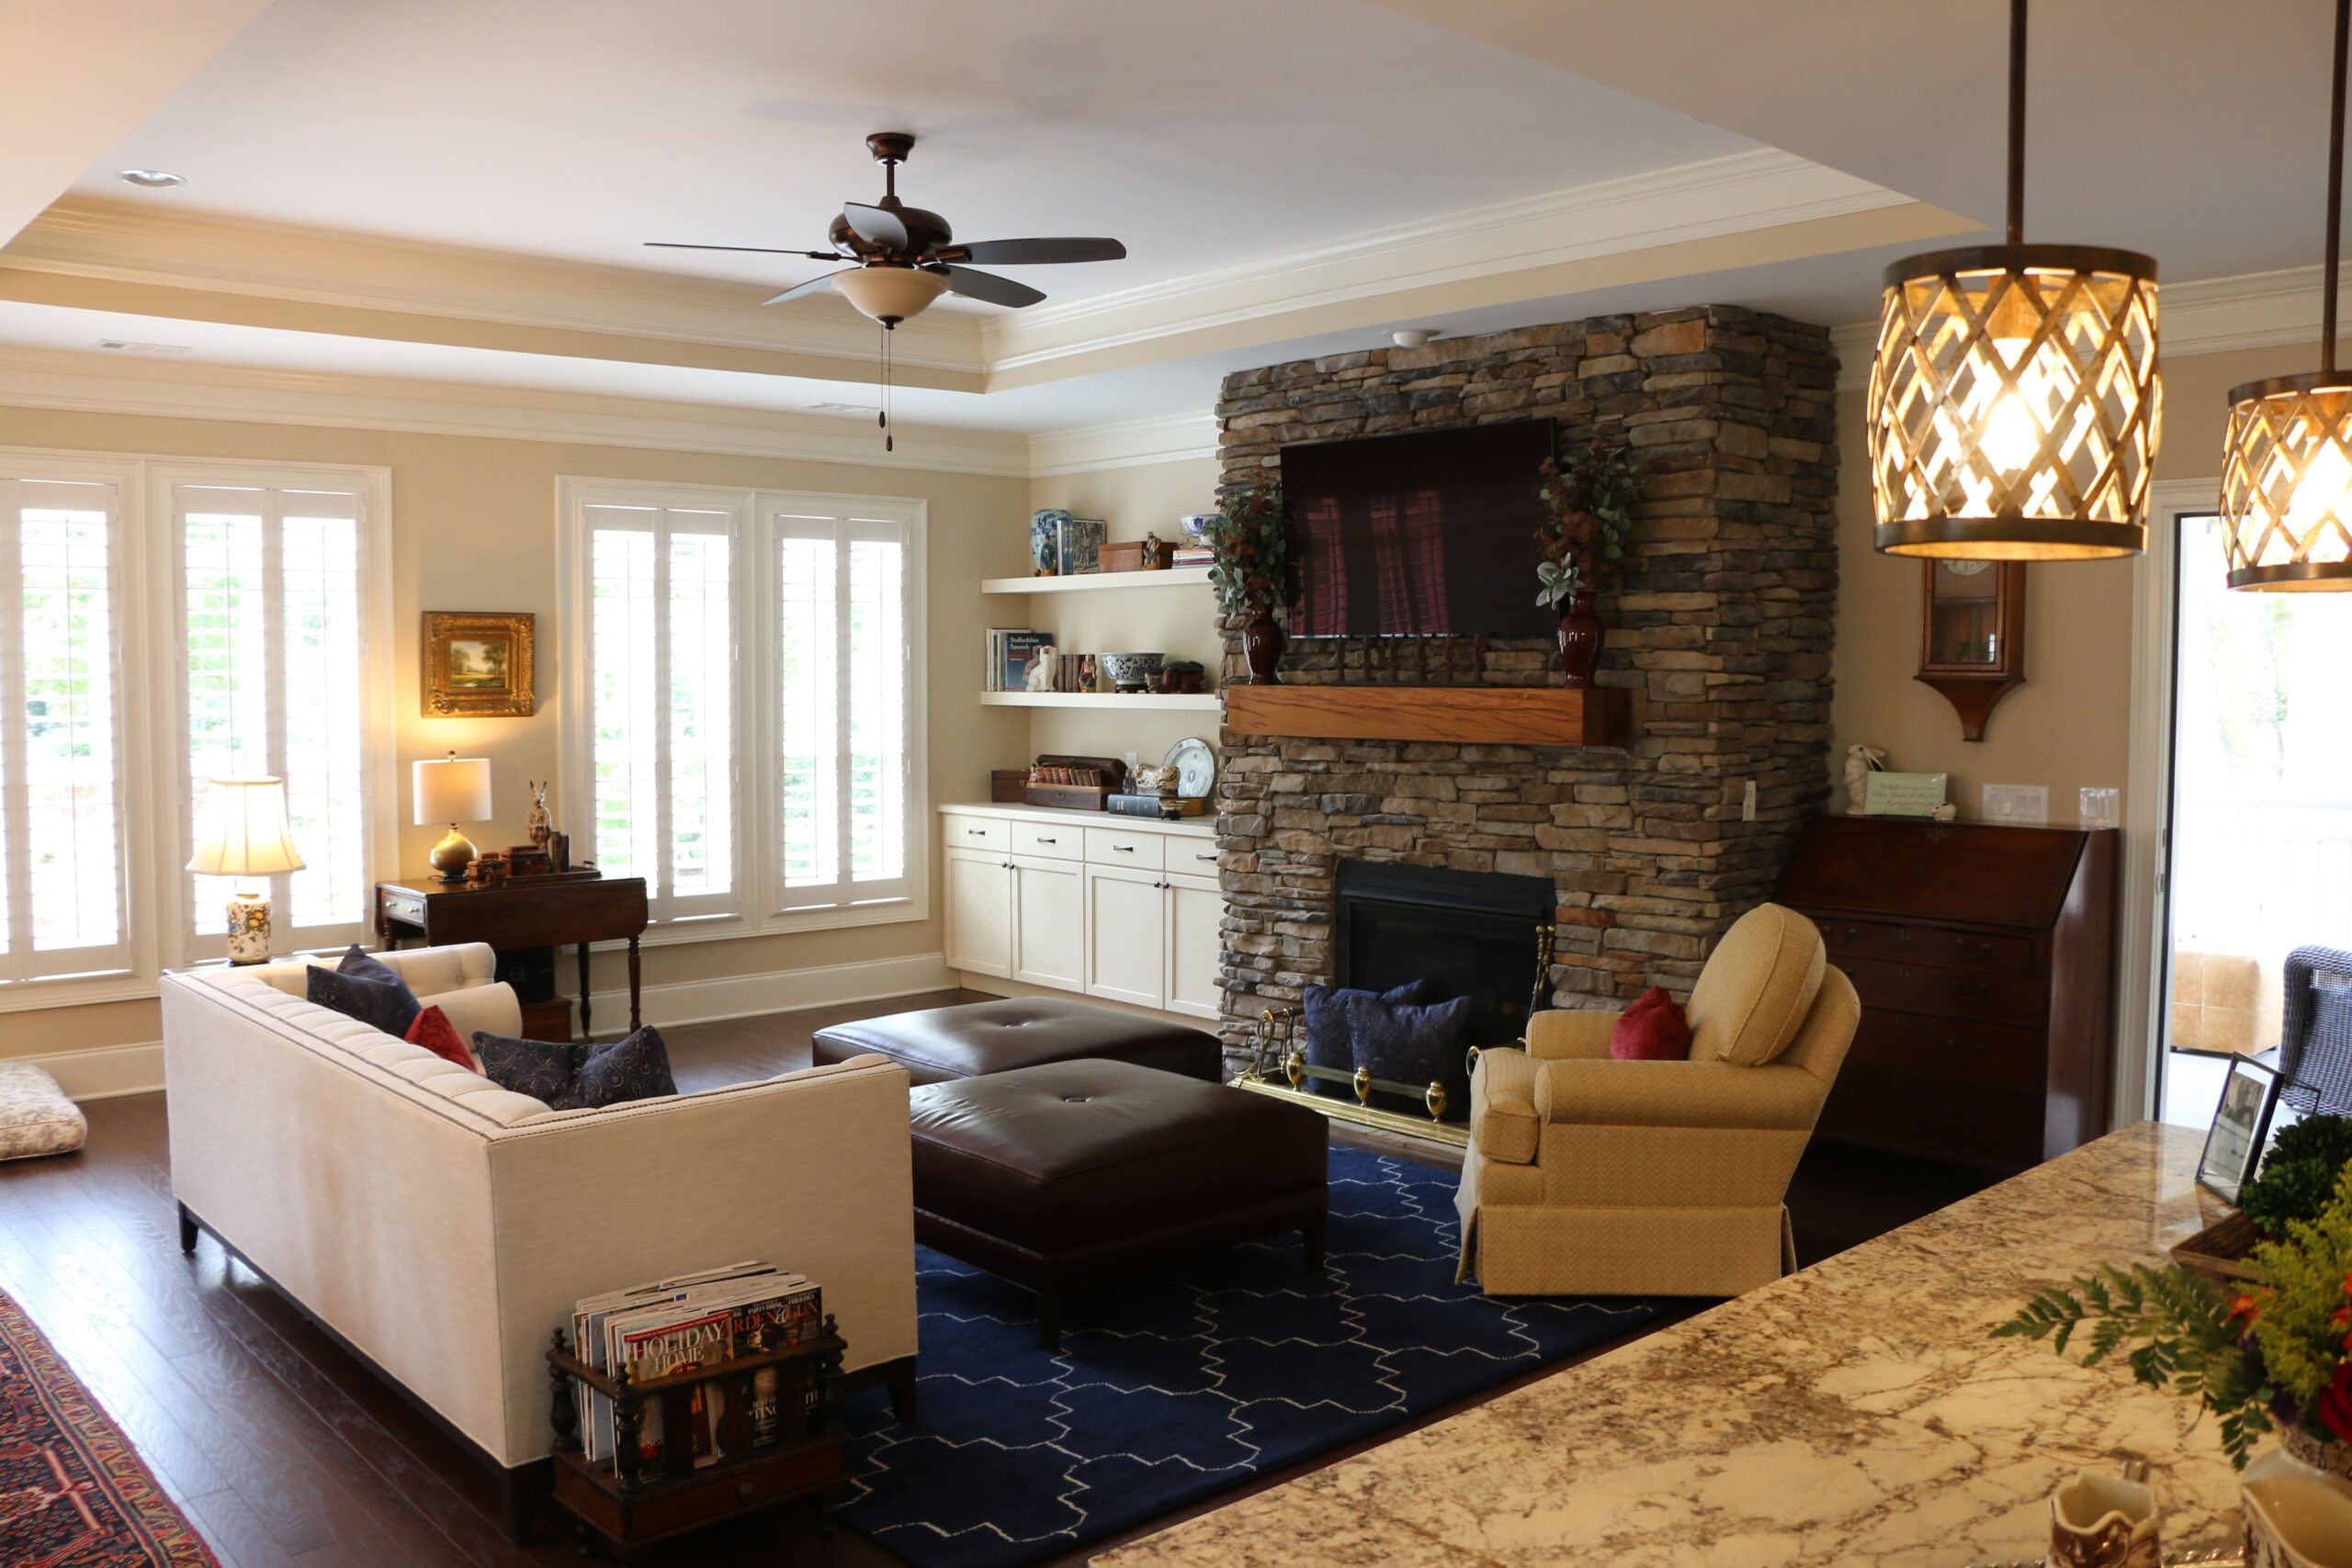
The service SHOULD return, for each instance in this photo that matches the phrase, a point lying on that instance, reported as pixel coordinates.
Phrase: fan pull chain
(890, 441)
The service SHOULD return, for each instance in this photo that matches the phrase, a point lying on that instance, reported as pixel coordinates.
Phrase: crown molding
(128, 244)
(1745, 191)
(2211, 315)
(1171, 438)
(97, 384)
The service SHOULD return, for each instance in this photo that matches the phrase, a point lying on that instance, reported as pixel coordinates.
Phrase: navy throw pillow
(1413, 1045)
(363, 988)
(1327, 1029)
(579, 1075)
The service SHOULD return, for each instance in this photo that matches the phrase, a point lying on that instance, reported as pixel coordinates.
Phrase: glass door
(2259, 828)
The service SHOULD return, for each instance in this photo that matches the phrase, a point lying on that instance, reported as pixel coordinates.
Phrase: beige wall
(2069, 726)
(473, 528)
(1181, 623)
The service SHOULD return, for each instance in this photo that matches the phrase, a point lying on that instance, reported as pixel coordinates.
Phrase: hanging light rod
(2287, 461)
(2015, 402)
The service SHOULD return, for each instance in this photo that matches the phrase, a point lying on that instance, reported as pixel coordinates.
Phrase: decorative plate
(1195, 767)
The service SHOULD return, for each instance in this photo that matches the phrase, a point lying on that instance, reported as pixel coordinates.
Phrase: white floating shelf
(1145, 702)
(1097, 581)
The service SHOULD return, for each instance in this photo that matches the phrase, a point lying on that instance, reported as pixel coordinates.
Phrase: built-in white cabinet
(1129, 912)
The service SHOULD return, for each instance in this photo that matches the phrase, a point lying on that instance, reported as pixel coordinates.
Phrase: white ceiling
(1262, 160)
(1197, 132)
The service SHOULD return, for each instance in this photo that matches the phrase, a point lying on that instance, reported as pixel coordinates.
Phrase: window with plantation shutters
(64, 896)
(271, 617)
(749, 736)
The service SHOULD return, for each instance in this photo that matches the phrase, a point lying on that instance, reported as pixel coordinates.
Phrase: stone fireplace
(1720, 631)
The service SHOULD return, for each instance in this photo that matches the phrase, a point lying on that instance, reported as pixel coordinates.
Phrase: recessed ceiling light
(151, 179)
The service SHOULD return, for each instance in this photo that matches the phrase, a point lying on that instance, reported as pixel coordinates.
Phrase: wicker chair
(2315, 1042)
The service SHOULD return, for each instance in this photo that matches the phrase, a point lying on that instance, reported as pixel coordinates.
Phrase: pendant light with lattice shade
(2286, 462)
(2015, 403)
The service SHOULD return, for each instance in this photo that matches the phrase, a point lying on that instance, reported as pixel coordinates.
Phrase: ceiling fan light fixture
(2015, 402)
(890, 294)
(2286, 459)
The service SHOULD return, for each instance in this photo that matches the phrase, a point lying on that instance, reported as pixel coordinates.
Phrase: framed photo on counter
(2240, 1129)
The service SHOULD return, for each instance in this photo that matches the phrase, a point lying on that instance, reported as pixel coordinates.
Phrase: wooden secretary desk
(519, 916)
(1984, 957)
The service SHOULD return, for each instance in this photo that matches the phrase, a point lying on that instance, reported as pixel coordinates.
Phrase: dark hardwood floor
(281, 1448)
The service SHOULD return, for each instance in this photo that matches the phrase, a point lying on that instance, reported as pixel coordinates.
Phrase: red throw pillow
(433, 1030)
(1652, 1030)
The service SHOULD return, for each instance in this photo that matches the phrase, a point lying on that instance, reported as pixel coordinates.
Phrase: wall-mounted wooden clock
(1971, 636)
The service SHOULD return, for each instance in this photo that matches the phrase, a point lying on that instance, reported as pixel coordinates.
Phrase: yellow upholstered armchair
(1588, 1175)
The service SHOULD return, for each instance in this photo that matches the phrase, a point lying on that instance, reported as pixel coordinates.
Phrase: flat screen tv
(1431, 532)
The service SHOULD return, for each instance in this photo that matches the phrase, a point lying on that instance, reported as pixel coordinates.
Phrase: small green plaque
(1903, 794)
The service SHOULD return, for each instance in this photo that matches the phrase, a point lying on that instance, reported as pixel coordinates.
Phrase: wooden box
(1007, 786)
(1110, 771)
(1135, 554)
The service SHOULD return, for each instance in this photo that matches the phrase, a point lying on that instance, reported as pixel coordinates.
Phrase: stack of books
(1192, 555)
(1009, 653)
(669, 1326)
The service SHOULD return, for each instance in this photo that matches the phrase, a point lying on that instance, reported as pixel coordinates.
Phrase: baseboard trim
(102, 1072)
(105, 1071)
(782, 991)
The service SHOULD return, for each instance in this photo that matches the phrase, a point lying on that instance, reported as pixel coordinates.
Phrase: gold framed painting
(477, 664)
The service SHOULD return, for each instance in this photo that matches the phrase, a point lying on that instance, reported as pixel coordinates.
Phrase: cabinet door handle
(1204, 857)
(1049, 841)
(1123, 849)
(1005, 863)
(975, 832)
(1974, 949)
(1974, 990)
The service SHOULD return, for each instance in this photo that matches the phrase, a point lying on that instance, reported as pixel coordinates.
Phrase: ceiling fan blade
(811, 287)
(754, 250)
(876, 225)
(1034, 253)
(986, 287)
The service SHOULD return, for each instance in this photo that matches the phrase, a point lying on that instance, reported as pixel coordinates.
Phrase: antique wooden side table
(568, 909)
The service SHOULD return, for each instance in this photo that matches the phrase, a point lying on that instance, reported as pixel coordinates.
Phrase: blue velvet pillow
(1327, 1029)
(363, 988)
(1413, 1045)
(579, 1075)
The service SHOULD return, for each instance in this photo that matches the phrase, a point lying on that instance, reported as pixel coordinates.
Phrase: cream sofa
(442, 1226)
(1586, 1176)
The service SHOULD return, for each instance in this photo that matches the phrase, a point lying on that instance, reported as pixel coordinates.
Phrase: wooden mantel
(1485, 715)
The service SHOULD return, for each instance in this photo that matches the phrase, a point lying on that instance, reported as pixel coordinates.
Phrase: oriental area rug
(1187, 1381)
(73, 1493)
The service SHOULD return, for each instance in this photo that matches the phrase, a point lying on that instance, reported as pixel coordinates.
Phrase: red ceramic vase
(1581, 634)
(1262, 644)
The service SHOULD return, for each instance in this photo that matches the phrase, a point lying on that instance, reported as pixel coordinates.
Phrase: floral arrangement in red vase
(1255, 572)
(2273, 1355)
(1587, 495)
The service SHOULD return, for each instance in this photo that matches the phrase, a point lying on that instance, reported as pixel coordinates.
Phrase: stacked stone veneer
(1721, 628)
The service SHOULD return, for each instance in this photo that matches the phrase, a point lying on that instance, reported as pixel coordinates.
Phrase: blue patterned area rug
(1184, 1383)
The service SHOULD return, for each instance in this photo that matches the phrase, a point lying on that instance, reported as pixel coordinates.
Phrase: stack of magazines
(670, 1327)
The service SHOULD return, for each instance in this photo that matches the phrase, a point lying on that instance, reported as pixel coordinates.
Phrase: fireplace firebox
(1484, 935)
(1468, 934)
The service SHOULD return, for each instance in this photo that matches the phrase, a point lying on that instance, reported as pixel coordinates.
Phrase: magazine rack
(632, 1504)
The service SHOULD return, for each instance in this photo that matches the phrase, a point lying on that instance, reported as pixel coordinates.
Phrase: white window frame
(151, 697)
(131, 967)
(757, 904)
(172, 828)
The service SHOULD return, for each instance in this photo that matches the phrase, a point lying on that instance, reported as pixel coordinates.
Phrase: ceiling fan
(905, 257)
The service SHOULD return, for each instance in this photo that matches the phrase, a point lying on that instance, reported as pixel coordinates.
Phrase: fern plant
(2282, 1352)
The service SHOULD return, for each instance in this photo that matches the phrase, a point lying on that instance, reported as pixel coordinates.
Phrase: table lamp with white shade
(453, 790)
(245, 836)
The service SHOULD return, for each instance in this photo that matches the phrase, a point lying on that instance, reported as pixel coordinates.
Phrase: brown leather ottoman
(936, 1044)
(1072, 1173)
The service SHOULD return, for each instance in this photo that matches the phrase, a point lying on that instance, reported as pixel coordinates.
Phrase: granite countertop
(1853, 1414)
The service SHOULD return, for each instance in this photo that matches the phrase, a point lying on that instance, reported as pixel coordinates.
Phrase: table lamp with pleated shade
(455, 789)
(243, 834)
